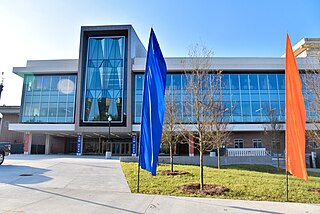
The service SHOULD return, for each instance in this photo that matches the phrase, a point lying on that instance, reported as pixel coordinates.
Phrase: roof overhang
(10, 109)
(42, 128)
(65, 66)
(236, 64)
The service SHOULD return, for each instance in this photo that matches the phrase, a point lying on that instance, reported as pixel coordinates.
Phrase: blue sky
(38, 29)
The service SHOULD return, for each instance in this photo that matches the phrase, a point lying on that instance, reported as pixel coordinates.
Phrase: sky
(50, 29)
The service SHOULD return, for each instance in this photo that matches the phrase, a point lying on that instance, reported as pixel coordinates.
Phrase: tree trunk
(278, 158)
(218, 151)
(171, 157)
(201, 167)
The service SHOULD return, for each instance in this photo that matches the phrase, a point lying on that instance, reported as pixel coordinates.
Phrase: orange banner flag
(295, 118)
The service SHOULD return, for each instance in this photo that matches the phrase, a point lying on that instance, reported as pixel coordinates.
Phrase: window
(244, 82)
(253, 82)
(257, 143)
(234, 81)
(225, 81)
(248, 96)
(238, 143)
(43, 93)
(104, 80)
(6, 124)
(272, 82)
(176, 82)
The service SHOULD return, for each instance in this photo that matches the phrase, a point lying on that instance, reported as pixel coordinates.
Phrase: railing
(247, 152)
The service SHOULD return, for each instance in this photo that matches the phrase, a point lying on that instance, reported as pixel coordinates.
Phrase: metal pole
(138, 184)
(109, 132)
(138, 187)
(287, 186)
(1, 83)
(1, 88)
(287, 177)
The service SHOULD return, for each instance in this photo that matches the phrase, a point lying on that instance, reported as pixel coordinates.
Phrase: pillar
(47, 145)
(27, 143)
(191, 145)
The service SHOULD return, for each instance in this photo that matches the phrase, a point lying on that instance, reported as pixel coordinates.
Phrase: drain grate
(26, 175)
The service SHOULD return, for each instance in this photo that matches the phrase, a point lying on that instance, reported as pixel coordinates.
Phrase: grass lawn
(246, 182)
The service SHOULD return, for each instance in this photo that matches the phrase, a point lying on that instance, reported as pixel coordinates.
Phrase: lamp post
(1, 83)
(109, 119)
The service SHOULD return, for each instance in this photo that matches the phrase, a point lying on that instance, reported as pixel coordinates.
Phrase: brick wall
(10, 136)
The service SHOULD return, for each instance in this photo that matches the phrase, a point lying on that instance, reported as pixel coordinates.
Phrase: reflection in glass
(104, 76)
(244, 82)
(46, 101)
(249, 96)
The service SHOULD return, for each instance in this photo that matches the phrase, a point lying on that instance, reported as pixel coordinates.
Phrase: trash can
(108, 155)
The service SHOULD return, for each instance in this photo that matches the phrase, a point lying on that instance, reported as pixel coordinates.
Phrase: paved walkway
(69, 184)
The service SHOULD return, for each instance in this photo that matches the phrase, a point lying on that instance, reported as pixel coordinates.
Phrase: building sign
(79, 145)
(134, 145)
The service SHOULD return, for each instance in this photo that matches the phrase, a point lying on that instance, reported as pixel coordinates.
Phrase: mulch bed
(209, 189)
(168, 172)
(316, 190)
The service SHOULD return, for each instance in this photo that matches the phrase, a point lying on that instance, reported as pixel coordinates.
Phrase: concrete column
(191, 145)
(47, 145)
(313, 158)
(27, 143)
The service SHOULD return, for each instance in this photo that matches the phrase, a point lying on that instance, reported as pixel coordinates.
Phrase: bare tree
(218, 115)
(203, 86)
(273, 129)
(311, 80)
(172, 121)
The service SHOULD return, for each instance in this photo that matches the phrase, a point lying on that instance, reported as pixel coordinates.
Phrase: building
(9, 114)
(95, 101)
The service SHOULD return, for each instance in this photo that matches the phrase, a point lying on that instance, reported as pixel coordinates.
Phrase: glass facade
(250, 97)
(48, 99)
(104, 87)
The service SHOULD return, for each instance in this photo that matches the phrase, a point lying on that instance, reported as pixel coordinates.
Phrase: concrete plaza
(70, 184)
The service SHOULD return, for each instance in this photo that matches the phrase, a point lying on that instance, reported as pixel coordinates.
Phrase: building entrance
(99, 146)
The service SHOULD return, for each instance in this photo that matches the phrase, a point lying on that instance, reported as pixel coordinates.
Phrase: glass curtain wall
(104, 75)
(48, 99)
(251, 97)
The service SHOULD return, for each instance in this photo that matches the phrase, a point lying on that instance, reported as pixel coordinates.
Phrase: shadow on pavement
(76, 199)
(53, 156)
(254, 210)
(15, 174)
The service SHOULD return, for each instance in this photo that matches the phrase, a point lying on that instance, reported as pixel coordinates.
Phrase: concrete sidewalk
(69, 184)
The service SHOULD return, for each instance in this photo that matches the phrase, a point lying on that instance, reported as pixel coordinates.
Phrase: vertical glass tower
(104, 80)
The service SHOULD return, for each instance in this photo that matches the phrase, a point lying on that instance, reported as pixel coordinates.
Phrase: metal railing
(247, 152)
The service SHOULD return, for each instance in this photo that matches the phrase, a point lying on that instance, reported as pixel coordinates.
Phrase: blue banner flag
(153, 107)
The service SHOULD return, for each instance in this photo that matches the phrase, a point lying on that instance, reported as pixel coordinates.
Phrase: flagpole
(287, 176)
(286, 143)
(286, 148)
(138, 184)
(295, 120)
(287, 186)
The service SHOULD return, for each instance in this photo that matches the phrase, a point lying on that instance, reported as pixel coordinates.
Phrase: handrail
(247, 152)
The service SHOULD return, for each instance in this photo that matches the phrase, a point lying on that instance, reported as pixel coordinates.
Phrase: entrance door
(91, 146)
(120, 148)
